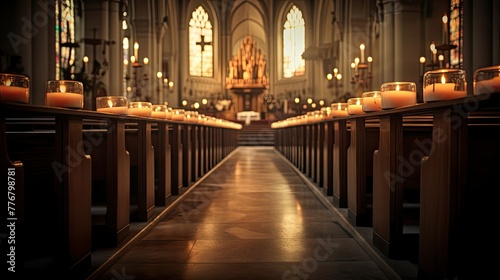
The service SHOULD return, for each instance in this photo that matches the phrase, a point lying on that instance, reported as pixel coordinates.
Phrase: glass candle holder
(112, 104)
(140, 108)
(168, 113)
(178, 114)
(338, 110)
(159, 111)
(325, 112)
(371, 101)
(444, 84)
(191, 116)
(487, 80)
(398, 94)
(64, 93)
(354, 106)
(14, 88)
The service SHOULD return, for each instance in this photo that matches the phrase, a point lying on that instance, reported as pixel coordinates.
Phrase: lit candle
(422, 67)
(442, 91)
(433, 52)
(121, 110)
(178, 115)
(142, 109)
(487, 86)
(371, 101)
(136, 50)
(362, 49)
(338, 110)
(14, 94)
(158, 114)
(64, 99)
(445, 29)
(398, 95)
(354, 106)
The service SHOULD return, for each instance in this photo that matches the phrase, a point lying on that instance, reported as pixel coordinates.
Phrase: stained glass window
(456, 33)
(293, 43)
(200, 44)
(65, 37)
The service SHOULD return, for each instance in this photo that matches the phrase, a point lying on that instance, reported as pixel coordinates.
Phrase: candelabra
(362, 72)
(140, 77)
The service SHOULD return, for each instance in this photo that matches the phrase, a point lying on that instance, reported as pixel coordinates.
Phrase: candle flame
(445, 18)
(8, 82)
(358, 102)
(62, 88)
(397, 87)
(110, 103)
(338, 106)
(443, 80)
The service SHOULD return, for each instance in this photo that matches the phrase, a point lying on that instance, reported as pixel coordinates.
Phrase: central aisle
(252, 218)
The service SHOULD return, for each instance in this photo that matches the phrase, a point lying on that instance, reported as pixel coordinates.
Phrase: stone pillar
(114, 51)
(400, 34)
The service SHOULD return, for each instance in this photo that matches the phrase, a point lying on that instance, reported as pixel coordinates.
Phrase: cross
(202, 43)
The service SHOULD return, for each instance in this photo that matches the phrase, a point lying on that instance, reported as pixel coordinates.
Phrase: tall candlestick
(445, 29)
(136, 50)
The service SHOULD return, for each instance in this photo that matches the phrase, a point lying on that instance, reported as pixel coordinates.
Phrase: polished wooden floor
(253, 217)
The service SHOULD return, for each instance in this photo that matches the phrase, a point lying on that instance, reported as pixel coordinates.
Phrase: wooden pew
(341, 138)
(138, 142)
(161, 143)
(396, 183)
(458, 181)
(110, 179)
(54, 236)
(363, 142)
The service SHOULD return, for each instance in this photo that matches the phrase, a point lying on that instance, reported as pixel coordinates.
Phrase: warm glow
(196, 105)
(129, 89)
(165, 81)
(313, 105)
(136, 46)
(159, 74)
(145, 60)
(335, 71)
(309, 100)
(85, 59)
(362, 47)
(422, 59)
(321, 102)
(353, 65)
(110, 103)
(441, 57)
(432, 46)
(297, 100)
(358, 101)
(443, 80)
(397, 87)
(62, 88)
(356, 60)
(445, 19)
(184, 103)
(339, 77)
(204, 101)
(125, 62)
(329, 76)
(170, 84)
(132, 59)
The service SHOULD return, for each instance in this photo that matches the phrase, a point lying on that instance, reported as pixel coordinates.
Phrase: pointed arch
(201, 50)
(294, 36)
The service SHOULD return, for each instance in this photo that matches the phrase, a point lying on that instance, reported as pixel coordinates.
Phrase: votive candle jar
(487, 80)
(64, 93)
(14, 88)
(371, 101)
(444, 84)
(398, 94)
(112, 104)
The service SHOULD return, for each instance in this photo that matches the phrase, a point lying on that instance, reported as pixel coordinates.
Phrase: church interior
(249, 139)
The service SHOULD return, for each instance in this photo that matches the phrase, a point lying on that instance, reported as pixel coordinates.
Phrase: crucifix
(202, 43)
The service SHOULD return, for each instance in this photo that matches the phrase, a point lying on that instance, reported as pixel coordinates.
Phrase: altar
(248, 116)
(247, 79)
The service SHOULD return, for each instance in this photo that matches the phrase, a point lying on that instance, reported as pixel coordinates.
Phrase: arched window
(294, 43)
(200, 44)
(65, 39)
